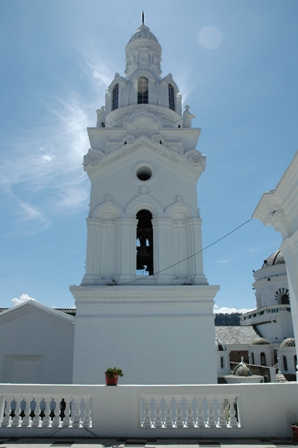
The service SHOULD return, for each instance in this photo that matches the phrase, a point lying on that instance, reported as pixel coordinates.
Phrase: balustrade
(189, 412)
(138, 411)
(23, 411)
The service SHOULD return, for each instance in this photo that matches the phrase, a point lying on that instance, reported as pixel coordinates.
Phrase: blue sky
(235, 62)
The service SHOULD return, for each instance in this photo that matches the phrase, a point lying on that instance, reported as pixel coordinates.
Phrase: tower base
(156, 335)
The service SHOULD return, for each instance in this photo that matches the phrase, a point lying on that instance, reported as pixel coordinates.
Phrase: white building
(144, 303)
(272, 317)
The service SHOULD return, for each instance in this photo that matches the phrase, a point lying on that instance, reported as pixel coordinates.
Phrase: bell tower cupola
(143, 51)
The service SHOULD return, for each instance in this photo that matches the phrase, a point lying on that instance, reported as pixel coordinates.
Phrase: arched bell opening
(144, 245)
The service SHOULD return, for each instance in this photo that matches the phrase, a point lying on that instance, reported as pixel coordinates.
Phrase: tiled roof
(236, 335)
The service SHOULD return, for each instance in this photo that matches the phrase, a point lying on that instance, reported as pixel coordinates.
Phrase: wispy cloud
(97, 67)
(42, 171)
(223, 261)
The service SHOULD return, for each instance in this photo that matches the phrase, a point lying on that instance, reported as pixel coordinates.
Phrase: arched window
(144, 243)
(171, 97)
(115, 97)
(142, 90)
(263, 359)
(275, 357)
(252, 358)
(285, 363)
(221, 362)
(295, 362)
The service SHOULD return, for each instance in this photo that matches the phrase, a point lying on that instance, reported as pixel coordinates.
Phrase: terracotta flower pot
(112, 381)
(295, 432)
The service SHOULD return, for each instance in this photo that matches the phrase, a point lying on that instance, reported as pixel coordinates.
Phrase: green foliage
(225, 320)
(111, 371)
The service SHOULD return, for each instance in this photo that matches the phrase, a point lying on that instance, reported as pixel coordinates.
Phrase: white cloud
(98, 68)
(223, 261)
(226, 310)
(23, 298)
(42, 172)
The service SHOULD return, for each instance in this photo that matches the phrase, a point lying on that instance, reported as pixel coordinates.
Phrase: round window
(144, 173)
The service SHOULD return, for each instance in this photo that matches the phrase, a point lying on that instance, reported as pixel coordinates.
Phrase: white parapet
(177, 411)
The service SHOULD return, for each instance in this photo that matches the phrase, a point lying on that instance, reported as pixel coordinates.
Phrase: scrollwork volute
(280, 222)
(196, 158)
(92, 157)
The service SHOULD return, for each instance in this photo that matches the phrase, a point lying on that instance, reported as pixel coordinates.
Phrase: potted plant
(112, 374)
(294, 426)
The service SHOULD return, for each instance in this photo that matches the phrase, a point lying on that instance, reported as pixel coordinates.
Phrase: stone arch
(179, 208)
(144, 202)
(107, 210)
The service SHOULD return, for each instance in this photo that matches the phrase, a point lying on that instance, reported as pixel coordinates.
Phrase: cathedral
(144, 303)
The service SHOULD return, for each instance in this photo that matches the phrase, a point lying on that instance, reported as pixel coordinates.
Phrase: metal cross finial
(143, 17)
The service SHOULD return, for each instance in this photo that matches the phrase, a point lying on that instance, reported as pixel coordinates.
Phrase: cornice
(193, 161)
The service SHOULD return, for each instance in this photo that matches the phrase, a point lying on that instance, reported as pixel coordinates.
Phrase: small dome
(242, 370)
(276, 258)
(289, 342)
(280, 378)
(260, 341)
(142, 32)
(219, 346)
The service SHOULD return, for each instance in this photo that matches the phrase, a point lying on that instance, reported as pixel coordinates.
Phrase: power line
(193, 255)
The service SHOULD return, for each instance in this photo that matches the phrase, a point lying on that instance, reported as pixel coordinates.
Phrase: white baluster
(16, 421)
(211, 422)
(6, 422)
(157, 419)
(200, 422)
(179, 422)
(233, 421)
(168, 421)
(147, 421)
(189, 419)
(222, 422)
(57, 420)
(77, 413)
(27, 418)
(46, 421)
(36, 422)
(66, 423)
(87, 422)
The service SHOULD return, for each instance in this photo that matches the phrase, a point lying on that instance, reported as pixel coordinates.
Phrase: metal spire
(143, 17)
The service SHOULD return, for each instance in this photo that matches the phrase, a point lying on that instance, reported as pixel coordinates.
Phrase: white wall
(157, 335)
(36, 345)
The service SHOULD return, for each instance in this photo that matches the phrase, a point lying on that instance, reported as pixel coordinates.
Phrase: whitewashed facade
(278, 208)
(36, 345)
(144, 303)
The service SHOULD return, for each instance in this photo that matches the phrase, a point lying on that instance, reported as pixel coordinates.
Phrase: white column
(162, 249)
(289, 249)
(92, 266)
(195, 247)
(127, 231)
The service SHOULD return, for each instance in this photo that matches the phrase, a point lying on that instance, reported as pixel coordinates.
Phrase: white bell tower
(144, 303)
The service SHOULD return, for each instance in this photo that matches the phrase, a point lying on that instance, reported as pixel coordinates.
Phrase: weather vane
(143, 17)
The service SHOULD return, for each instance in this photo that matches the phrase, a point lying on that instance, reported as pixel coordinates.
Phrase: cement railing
(176, 411)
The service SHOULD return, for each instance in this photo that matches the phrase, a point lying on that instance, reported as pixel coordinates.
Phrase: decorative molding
(92, 157)
(280, 222)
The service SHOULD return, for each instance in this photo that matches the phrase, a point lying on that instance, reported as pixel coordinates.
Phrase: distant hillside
(225, 319)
